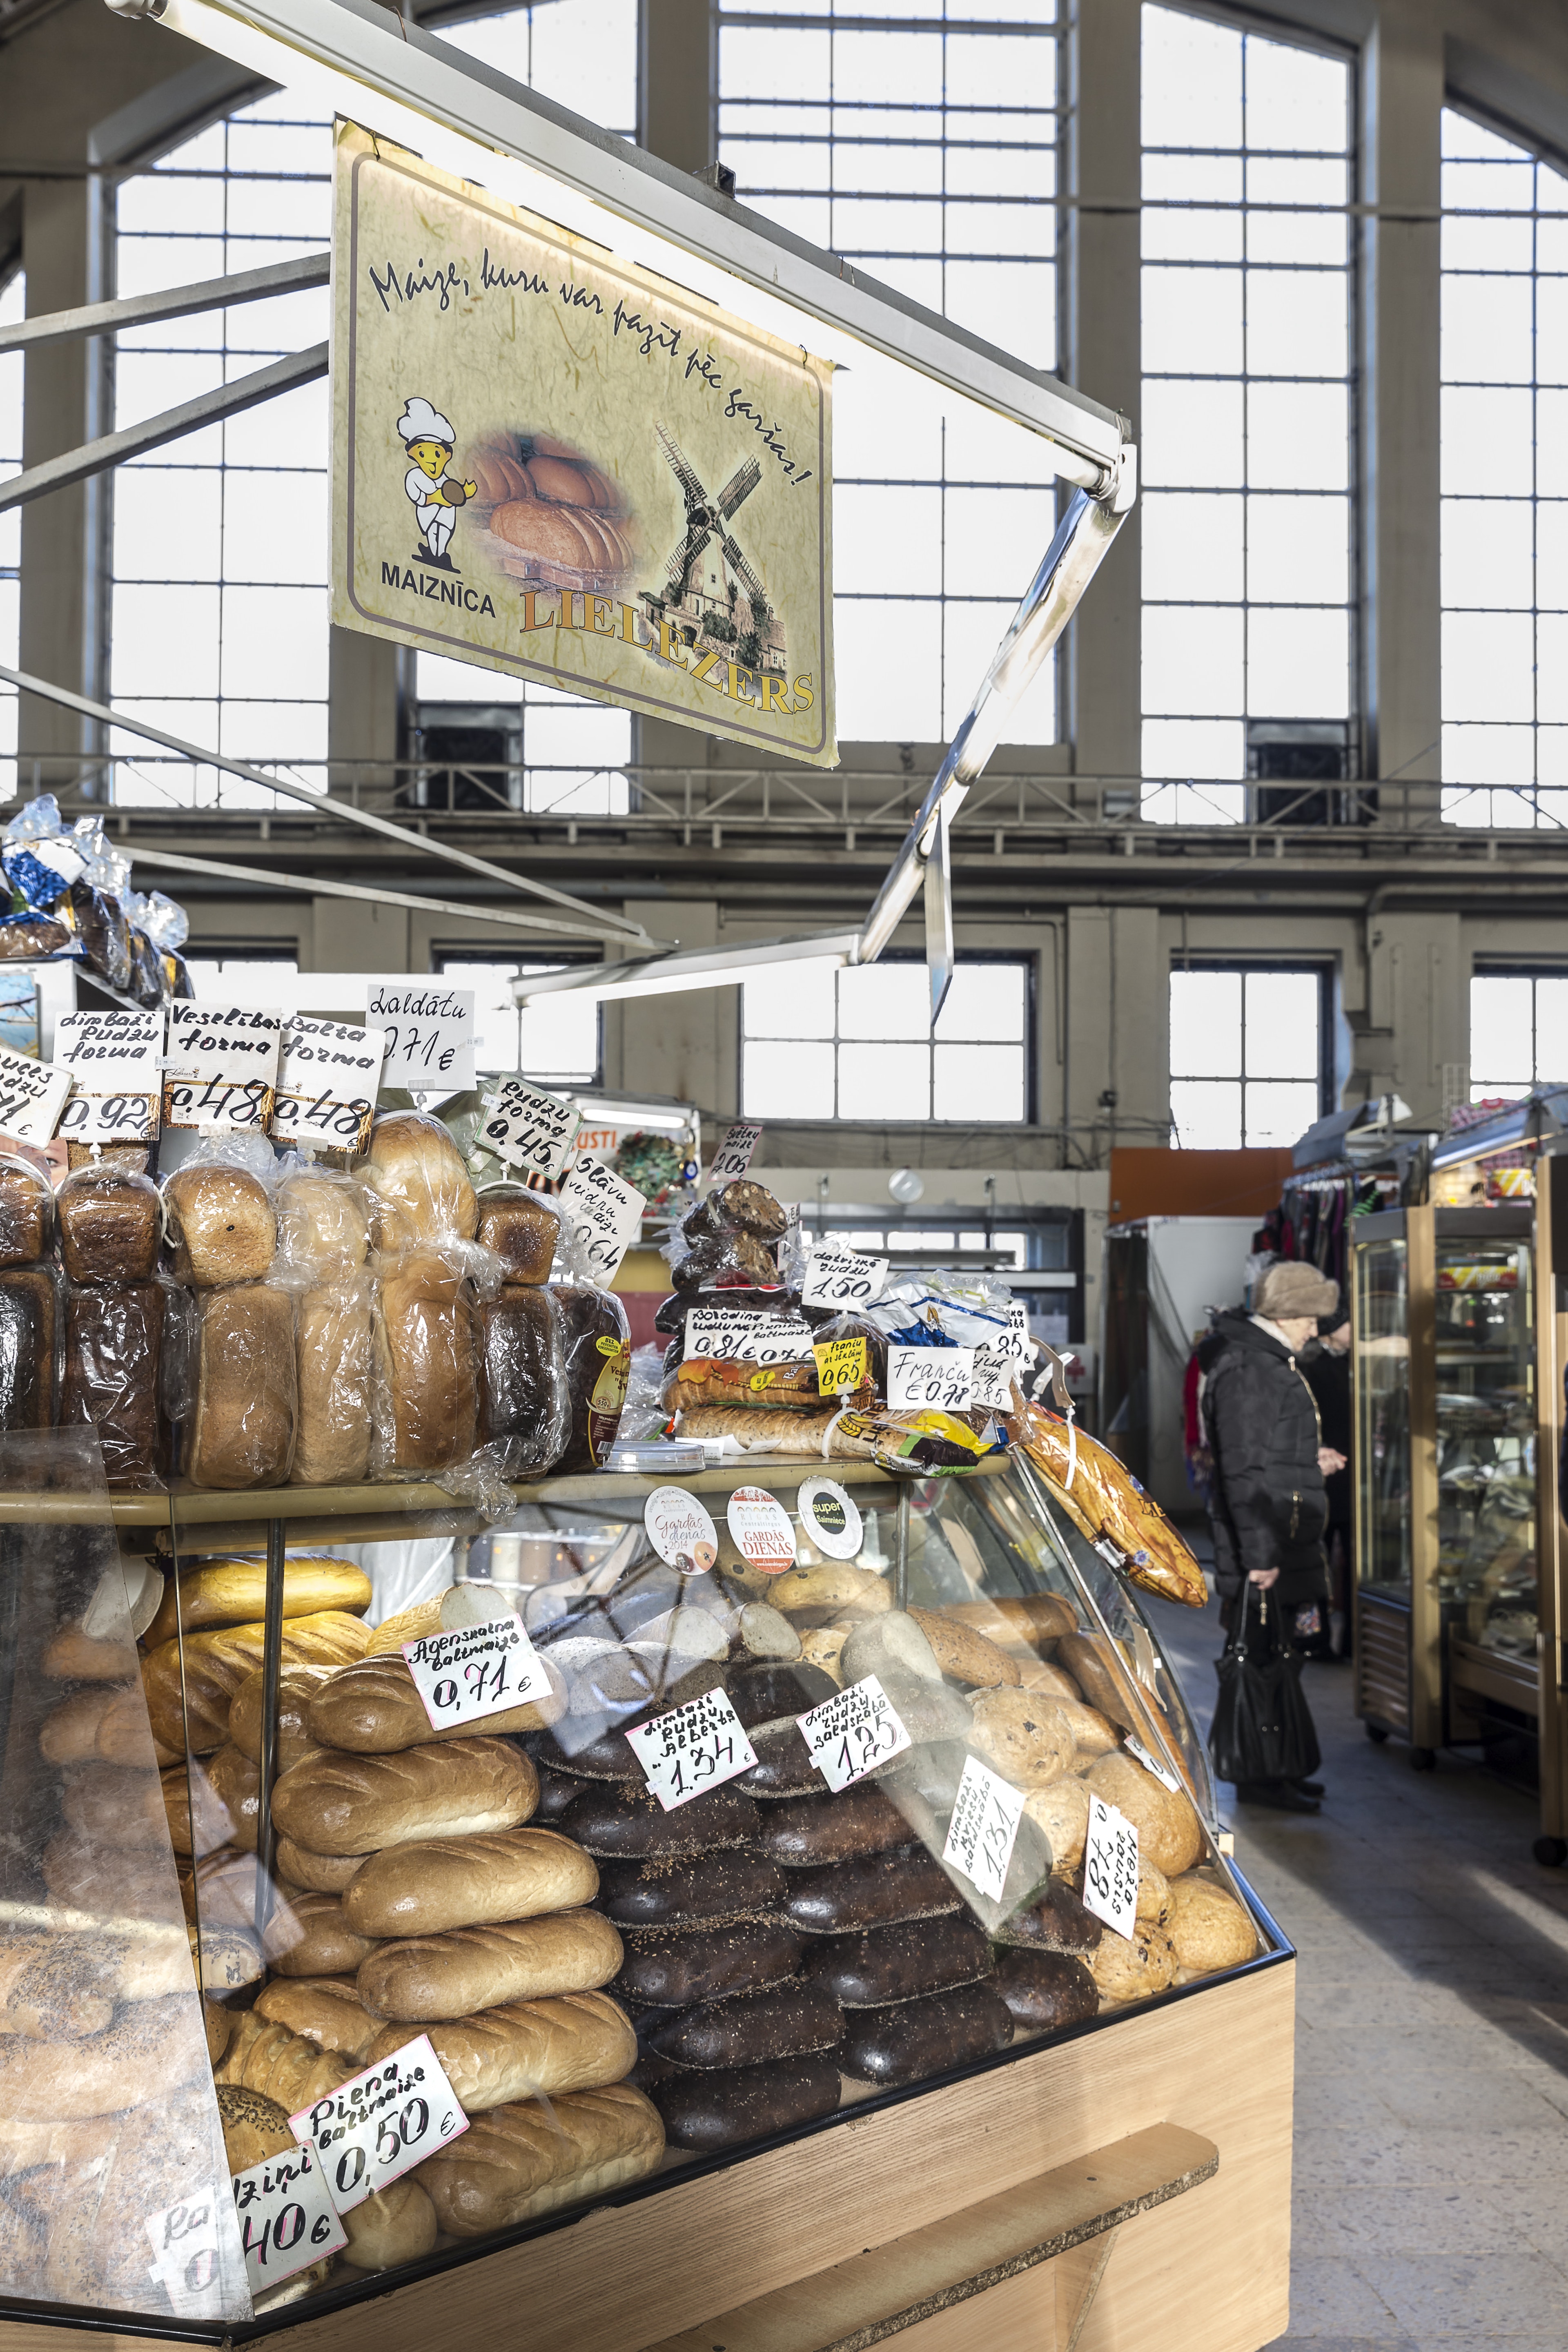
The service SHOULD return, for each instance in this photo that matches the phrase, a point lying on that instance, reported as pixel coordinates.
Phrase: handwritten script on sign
(221, 1068)
(327, 1080)
(986, 1812)
(604, 1214)
(853, 1732)
(117, 1061)
(530, 1129)
(692, 1748)
(286, 2216)
(475, 1670)
(380, 2124)
(430, 1032)
(31, 1096)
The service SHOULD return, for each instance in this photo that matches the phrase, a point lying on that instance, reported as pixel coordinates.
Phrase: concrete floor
(1431, 2143)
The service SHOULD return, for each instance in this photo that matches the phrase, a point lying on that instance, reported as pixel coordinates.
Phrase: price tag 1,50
(475, 1670)
(604, 1215)
(528, 1130)
(986, 1816)
(286, 2218)
(693, 1747)
(379, 2125)
(733, 1157)
(851, 1732)
(935, 1380)
(1111, 1867)
(842, 1278)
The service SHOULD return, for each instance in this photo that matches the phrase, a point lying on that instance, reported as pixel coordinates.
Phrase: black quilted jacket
(1268, 1505)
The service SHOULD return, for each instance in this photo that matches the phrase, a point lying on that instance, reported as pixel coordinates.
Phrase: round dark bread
(896, 1964)
(623, 1824)
(608, 1755)
(1057, 1921)
(670, 1970)
(783, 1766)
(693, 1891)
(892, 2046)
(776, 1688)
(1045, 1990)
(875, 1890)
(557, 1791)
(751, 2027)
(707, 2112)
(804, 1832)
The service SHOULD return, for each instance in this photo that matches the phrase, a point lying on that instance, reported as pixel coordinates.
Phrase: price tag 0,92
(691, 1749)
(286, 2218)
(853, 1732)
(1111, 1867)
(842, 1278)
(475, 1670)
(379, 2125)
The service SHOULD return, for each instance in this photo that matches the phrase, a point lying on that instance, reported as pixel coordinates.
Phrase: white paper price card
(530, 1129)
(117, 1061)
(853, 1731)
(737, 1335)
(733, 1157)
(286, 2218)
(1017, 1337)
(691, 1749)
(32, 1096)
(1111, 1867)
(604, 1215)
(995, 1369)
(185, 2251)
(430, 1032)
(221, 1066)
(842, 1278)
(1162, 1772)
(760, 1529)
(475, 1670)
(934, 1379)
(830, 1517)
(679, 1530)
(379, 2125)
(328, 1077)
(986, 1815)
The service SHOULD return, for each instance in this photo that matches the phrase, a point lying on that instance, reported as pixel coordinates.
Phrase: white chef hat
(420, 422)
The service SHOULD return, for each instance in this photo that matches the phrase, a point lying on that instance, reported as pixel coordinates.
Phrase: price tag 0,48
(853, 1731)
(379, 2125)
(933, 1380)
(691, 1748)
(1111, 1867)
(475, 1670)
(842, 1278)
(986, 1815)
(286, 2218)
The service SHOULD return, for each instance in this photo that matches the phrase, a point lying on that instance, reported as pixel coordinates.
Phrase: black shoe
(1280, 1796)
(1310, 1788)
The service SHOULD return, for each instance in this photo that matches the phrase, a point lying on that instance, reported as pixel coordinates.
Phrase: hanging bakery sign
(553, 464)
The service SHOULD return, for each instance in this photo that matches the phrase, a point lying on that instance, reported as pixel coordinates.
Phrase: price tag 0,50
(475, 1670)
(931, 1379)
(691, 1749)
(1111, 1867)
(842, 1278)
(286, 2218)
(379, 2125)
(853, 1731)
(986, 1812)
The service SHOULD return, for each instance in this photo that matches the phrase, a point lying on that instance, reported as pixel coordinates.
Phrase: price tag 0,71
(1111, 1867)
(287, 2220)
(986, 1812)
(475, 1670)
(853, 1732)
(691, 1748)
(380, 2124)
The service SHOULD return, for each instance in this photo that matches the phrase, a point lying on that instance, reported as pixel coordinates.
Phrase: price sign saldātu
(430, 1032)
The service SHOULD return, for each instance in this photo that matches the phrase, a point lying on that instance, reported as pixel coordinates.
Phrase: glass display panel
(1486, 1443)
(1382, 1391)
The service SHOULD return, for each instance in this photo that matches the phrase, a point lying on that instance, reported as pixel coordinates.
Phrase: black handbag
(1262, 1727)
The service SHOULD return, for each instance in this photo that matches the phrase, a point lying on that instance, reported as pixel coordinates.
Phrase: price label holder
(986, 1815)
(841, 1366)
(737, 1335)
(1161, 1771)
(733, 1157)
(472, 1671)
(604, 1215)
(760, 1529)
(830, 1518)
(691, 1748)
(1111, 1867)
(221, 1066)
(32, 1097)
(185, 2253)
(430, 1032)
(287, 2220)
(679, 1530)
(380, 2124)
(853, 1732)
(995, 1369)
(529, 1130)
(931, 1379)
(842, 1278)
(116, 1060)
(328, 1077)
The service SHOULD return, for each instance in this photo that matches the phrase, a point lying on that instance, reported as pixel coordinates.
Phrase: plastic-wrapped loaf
(220, 1225)
(596, 1358)
(419, 1188)
(335, 1354)
(323, 1224)
(27, 1213)
(427, 1366)
(244, 1405)
(1107, 1504)
(113, 1353)
(28, 1325)
(523, 1228)
(110, 1223)
(523, 1400)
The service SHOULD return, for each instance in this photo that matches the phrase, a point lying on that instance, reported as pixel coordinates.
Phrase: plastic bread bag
(841, 1332)
(27, 1211)
(335, 1356)
(919, 1444)
(777, 1374)
(524, 1229)
(164, 922)
(110, 1222)
(1106, 1504)
(112, 1374)
(323, 1221)
(105, 935)
(146, 971)
(596, 1360)
(31, 1338)
(245, 1389)
(729, 1239)
(950, 1309)
(419, 1188)
(426, 1373)
(524, 1409)
(221, 1225)
(643, 1414)
(41, 861)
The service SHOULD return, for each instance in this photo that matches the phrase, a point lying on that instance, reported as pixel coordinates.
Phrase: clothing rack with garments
(1311, 1224)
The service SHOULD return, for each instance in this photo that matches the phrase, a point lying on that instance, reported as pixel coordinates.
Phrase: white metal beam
(310, 885)
(179, 302)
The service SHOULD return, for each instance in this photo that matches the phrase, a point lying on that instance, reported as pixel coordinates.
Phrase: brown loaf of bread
(149, 2048)
(709, 2111)
(307, 1936)
(408, 1625)
(326, 2009)
(335, 1355)
(1106, 1503)
(267, 2057)
(437, 1884)
(220, 1226)
(372, 1708)
(234, 1592)
(395, 2226)
(323, 1874)
(354, 1804)
(596, 1358)
(217, 1663)
(427, 1365)
(114, 1346)
(525, 2049)
(522, 1373)
(118, 1806)
(418, 1186)
(73, 1656)
(110, 1225)
(964, 1653)
(242, 1428)
(416, 1977)
(520, 2161)
(26, 1212)
(522, 1228)
(26, 1348)
(107, 1721)
(296, 1687)
(323, 1224)
(893, 2047)
(1027, 1618)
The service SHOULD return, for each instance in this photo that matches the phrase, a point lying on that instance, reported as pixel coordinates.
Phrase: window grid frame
(449, 962)
(1534, 972)
(1246, 967)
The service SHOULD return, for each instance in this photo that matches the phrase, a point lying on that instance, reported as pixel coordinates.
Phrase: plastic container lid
(656, 1454)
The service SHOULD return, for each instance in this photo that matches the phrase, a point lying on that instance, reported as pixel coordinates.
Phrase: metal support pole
(271, 1661)
(901, 1550)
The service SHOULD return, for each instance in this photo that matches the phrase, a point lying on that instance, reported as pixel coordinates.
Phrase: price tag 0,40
(475, 1670)
(691, 1748)
(286, 2218)
(733, 1157)
(842, 1278)
(379, 2125)
(853, 1731)
(986, 1812)
(930, 1380)
(1111, 1867)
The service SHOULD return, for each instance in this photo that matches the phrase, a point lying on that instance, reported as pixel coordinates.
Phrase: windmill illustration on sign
(712, 597)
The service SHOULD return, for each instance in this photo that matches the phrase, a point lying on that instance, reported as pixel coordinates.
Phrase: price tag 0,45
(528, 1130)
(475, 1670)
(853, 1731)
(286, 2218)
(691, 1748)
(379, 2125)
(1111, 1867)
(842, 1278)
(733, 1157)
(986, 1812)
(931, 1379)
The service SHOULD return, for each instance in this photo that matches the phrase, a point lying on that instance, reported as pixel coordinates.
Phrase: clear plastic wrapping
(524, 1407)
(524, 1229)
(335, 1355)
(221, 1224)
(596, 1356)
(111, 1378)
(29, 1344)
(111, 1224)
(323, 1222)
(419, 1187)
(244, 1403)
(27, 1211)
(426, 1366)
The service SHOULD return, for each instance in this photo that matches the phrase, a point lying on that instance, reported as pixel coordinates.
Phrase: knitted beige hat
(1290, 1288)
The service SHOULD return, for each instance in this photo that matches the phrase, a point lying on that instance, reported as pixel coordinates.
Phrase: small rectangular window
(1519, 1033)
(1247, 1055)
(559, 1043)
(859, 1045)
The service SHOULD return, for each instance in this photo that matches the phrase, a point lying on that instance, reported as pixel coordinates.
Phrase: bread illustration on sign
(549, 515)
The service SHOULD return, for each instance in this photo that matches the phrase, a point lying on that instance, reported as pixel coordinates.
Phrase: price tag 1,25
(530, 1129)
(935, 1380)
(475, 1670)
(853, 1732)
(842, 1278)
(1111, 1867)
(287, 2220)
(733, 1157)
(691, 1749)
(604, 1215)
(986, 1815)
(380, 2124)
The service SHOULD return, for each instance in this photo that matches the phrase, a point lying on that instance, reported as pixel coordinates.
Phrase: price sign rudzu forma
(117, 1061)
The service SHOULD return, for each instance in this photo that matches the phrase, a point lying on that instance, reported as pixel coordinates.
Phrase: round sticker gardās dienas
(679, 1530)
(831, 1518)
(761, 1530)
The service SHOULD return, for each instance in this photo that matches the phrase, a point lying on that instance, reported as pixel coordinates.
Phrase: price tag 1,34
(853, 1732)
(691, 1749)
(842, 1278)
(733, 1157)
(986, 1815)
(528, 1130)
(604, 1215)
(475, 1670)
(1111, 1867)
(117, 1061)
(380, 2124)
(935, 1380)
(287, 2220)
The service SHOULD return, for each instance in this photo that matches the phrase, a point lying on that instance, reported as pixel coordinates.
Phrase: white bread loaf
(215, 1665)
(324, 1874)
(335, 1354)
(418, 1978)
(265, 2057)
(395, 2226)
(353, 1804)
(234, 1592)
(220, 1226)
(427, 1366)
(295, 1687)
(578, 2042)
(372, 1708)
(418, 1185)
(323, 1223)
(515, 2162)
(326, 2009)
(438, 1883)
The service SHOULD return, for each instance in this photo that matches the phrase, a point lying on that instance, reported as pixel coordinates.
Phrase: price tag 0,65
(853, 1732)
(986, 1812)
(475, 1670)
(842, 1278)
(691, 1748)
(931, 1379)
(287, 2220)
(1111, 1867)
(379, 2125)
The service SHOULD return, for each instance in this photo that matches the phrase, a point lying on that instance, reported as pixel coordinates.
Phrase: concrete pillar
(678, 105)
(362, 702)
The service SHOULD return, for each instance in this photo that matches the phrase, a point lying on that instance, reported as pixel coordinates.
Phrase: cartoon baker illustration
(429, 440)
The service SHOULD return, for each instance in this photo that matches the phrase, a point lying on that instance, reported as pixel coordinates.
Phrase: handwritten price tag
(986, 1816)
(117, 1061)
(854, 1730)
(185, 2248)
(692, 1748)
(934, 1379)
(327, 1080)
(1162, 1772)
(475, 1670)
(528, 1130)
(995, 1369)
(840, 1365)
(379, 2125)
(221, 1068)
(286, 2218)
(733, 1157)
(32, 1095)
(733, 1335)
(604, 1215)
(1111, 1867)
(430, 1032)
(842, 1278)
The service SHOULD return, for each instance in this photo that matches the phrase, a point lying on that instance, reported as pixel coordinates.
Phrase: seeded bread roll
(699, 1891)
(665, 1968)
(896, 1964)
(308, 1935)
(241, 1432)
(217, 1663)
(427, 1365)
(334, 1346)
(1169, 1831)
(267, 2057)
(353, 1804)
(255, 2126)
(220, 1226)
(323, 1874)
(618, 1825)
(1062, 1813)
(809, 1830)
(437, 1884)
(418, 1185)
(372, 1708)
(1045, 1990)
(54, 1987)
(1130, 1968)
(522, 1228)
(326, 2011)
(964, 1653)
(416, 1977)
(707, 2112)
(893, 2047)
(148, 2050)
(515, 2163)
(110, 1225)
(234, 1592)
(527, 2049)
(830, 1585)
(296, 1687)
(877, 1890)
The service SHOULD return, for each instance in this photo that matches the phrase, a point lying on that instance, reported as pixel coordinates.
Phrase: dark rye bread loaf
(114, 1345)
(783, 1767)
(109, 1225)
(697, 1891)
(893, 2047)
(748, 2028)
(1045, 1990)
(665, 1968)
(895, 1964)
(875, 1890)
(26, 1348)
(622, 1825)
(805, 1831)
(777, 1688)
(706, 2112)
